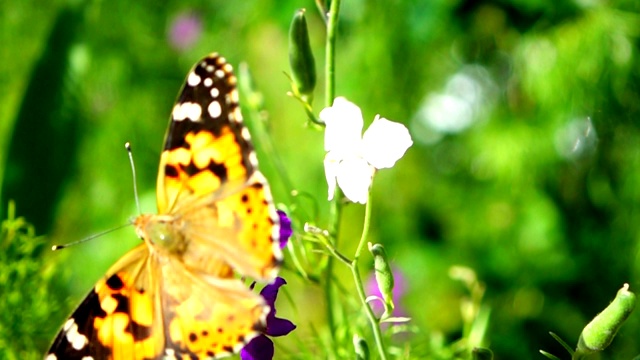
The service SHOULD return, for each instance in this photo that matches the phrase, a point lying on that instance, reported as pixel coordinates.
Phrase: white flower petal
(354, 178)
(343, 125)
(331, 163)
(385, 142)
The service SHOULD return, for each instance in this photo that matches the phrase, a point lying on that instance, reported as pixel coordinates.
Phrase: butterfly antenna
(59, 247)
(127, 145)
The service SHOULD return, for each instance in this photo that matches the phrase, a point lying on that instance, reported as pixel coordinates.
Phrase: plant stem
(338, 255)
(375, 324)
(330, 56)
(334, 228)
(335, 210)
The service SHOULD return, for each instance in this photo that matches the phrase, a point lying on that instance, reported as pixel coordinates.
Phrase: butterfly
(178, 294)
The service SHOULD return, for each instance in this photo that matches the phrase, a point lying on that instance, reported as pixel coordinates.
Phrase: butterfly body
(178, 295)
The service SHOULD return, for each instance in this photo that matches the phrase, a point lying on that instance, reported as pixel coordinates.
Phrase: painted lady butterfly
(177, 295)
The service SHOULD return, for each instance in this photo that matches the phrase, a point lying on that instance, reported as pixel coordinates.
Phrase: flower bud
(599, 333)
(362, 349)
(384, 276)
(303, 69)
(481, 354)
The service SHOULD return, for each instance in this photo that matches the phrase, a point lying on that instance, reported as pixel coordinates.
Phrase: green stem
(334, 228)
(365, 230)
(335, 211)
(307, 108)
(330, 67)
(338, 255)
(375, 324)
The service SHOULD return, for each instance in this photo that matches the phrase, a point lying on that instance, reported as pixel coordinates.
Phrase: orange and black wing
(150, 307)
(116, 319)
(209, 175)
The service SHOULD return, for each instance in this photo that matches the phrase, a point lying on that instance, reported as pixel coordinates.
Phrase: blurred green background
(525, 165)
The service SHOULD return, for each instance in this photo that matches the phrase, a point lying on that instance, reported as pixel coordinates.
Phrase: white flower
(352, 158)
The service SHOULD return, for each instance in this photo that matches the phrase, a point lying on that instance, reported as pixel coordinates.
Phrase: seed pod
(384, 276)
(599, 333)
(303, 69)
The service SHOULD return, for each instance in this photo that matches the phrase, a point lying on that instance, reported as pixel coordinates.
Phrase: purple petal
(279, 327)
(260, 348)
(270, 292)
(275, 326)
(285, 229)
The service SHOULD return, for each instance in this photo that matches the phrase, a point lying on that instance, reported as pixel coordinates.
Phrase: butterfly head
(160, 232)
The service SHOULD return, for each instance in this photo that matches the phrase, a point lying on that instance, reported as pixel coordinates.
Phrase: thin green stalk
(335, 211)
(330, 67)
(375, 324)
(338, 255)
(334, 228)
(375, 327)
(365, 229)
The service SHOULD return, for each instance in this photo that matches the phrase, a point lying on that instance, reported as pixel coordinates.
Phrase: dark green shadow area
(44, 138)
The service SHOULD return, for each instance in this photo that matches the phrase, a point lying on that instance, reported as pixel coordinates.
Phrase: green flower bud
(303, 69)
(384, 276)
(362, 349)
(599, 333)
(481, 354)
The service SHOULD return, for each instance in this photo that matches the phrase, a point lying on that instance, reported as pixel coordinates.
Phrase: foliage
(524, 169)
(30, 291)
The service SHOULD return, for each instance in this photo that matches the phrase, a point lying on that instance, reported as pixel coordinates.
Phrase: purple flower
(261, 347)
(399, 289)
(184, 31)
(285, 229)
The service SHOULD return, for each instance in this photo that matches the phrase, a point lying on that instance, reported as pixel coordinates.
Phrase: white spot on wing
(245, 134)
(214, 109)
(51, 357)
(253, 159)
(208, 82)
(235, 116)
(219, 73)
(177, 113)
(77, 340)
(233, 95)
(209, 68)
(193, 79)
(215, 92)
(185, 110)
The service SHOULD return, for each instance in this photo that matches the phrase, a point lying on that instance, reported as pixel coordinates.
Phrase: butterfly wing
(209, 176)
(206, 144)
(115, 320)
(208, 315)
(152, 307)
